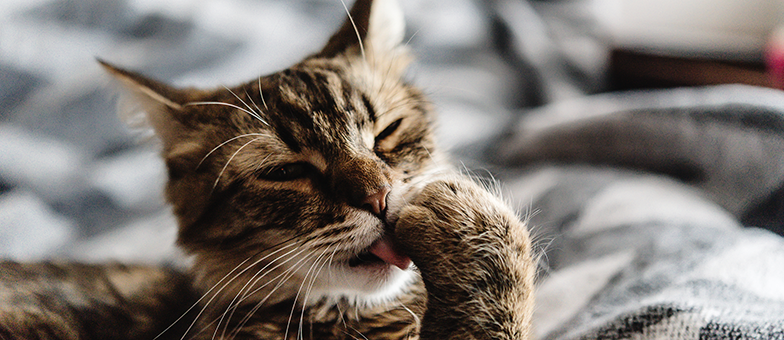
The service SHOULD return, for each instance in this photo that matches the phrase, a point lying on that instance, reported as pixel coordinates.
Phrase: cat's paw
(456, 232)
(475, 260)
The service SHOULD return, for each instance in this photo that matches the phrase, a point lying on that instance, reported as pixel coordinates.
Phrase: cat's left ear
(378, 24)
(153, 104)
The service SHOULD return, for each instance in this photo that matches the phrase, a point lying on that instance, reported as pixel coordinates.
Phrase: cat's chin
(367, 282)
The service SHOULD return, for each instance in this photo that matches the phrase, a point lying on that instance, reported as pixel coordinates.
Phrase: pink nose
(377, 201)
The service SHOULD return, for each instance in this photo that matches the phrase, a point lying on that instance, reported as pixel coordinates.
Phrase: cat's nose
(377, 201)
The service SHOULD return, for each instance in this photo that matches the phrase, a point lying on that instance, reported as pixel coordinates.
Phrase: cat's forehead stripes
(320, 107)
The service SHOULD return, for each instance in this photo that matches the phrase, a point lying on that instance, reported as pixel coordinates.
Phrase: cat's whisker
(360, 334)
(206, 305)
(355, 331)
(359, 36)
(220, 290)
(261, 163)
(327, 262)
(242, 294)
(262, 96)
(286, 276)
(299, 291)
(258, 109)
(204, 308)
(230, 281)
(342, 318)
(217, 180)
(199, 300)
(331, 258)
(251, 113)
(257, 114)
(290, 273)
(313, 278)
(417, 321)
(246, 292)
(408, 42)
(227, 142)
(203, 329)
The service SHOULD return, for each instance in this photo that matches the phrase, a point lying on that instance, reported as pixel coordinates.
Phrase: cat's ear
(148, 103)
(374, 27)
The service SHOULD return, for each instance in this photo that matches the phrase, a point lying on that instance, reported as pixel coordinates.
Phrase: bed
(656, 213)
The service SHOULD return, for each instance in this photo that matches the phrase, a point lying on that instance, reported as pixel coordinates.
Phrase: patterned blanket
(646, 207)
(657, 214)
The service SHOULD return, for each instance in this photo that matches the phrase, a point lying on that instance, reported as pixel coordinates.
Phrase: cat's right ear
(373, 26)
(148, 103)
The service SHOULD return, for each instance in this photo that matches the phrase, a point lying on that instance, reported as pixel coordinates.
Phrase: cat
(304, 197)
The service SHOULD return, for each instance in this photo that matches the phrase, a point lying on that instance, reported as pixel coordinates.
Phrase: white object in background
(722, 29)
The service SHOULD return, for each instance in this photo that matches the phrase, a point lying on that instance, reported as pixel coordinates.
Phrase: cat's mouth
(381, 252)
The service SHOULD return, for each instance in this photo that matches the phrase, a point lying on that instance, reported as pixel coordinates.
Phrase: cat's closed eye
(286, 172)
(389, 130)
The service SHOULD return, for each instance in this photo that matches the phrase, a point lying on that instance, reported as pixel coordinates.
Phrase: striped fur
(283, 186)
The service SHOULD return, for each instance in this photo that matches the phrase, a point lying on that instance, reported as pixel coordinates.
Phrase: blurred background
(75, 182)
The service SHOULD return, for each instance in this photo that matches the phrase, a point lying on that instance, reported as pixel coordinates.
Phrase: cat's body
(305, 195)
(59, 300)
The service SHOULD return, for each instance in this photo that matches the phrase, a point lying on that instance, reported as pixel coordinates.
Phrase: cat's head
(292, 179)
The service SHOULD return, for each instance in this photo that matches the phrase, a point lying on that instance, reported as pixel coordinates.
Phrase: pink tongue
(385, 250)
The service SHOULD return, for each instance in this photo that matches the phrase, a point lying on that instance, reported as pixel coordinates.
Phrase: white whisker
(430, 155)
(342, 318)
(253, 114)
(215, 185)
(201, 298)
(286, 276)
(417, 321)
(299, 291)
(243, 293)
(261, 162)
(256, 278)
(412, 37)
(327, 262)
(227, 142)
(226, 285)
(258, 109)
(256, 115)
(240, 99)
(359, 36)
(262, 96)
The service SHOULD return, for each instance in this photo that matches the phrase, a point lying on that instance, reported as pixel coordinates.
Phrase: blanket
(657, 214)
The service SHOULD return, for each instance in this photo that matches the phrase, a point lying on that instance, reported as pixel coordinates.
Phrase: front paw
(456, 232)
(474, 257)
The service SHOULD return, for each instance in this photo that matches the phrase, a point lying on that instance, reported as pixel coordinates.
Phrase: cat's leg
(474, 254)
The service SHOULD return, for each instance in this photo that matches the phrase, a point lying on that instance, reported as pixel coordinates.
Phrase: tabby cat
(304, 197)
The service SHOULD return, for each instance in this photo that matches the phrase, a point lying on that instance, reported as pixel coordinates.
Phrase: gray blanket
(644, 206)
(656, 214)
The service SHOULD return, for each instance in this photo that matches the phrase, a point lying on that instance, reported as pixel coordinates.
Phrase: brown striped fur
(56, 300)
(283, 184)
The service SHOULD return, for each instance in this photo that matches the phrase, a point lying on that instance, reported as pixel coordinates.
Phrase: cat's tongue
(385, 250)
